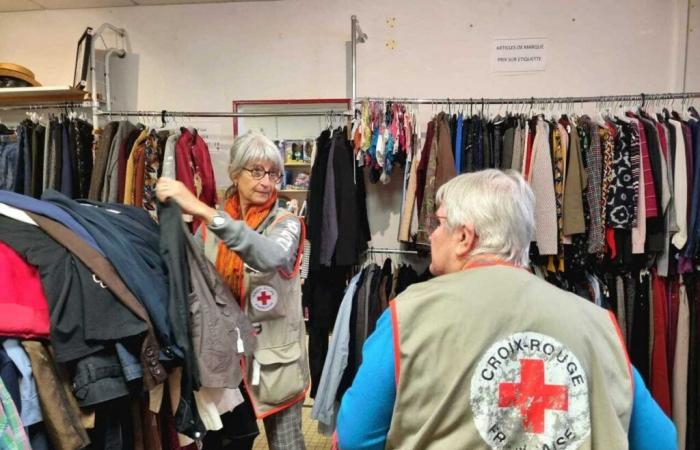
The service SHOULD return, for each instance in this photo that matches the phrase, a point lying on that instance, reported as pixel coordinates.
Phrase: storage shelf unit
(41, 95)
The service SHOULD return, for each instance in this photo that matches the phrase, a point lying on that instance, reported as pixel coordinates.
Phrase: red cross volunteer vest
(493, 357)
(277, 373)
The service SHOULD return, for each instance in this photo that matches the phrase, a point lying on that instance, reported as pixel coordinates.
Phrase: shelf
(41, 94)
(295, 164)
(294, 191)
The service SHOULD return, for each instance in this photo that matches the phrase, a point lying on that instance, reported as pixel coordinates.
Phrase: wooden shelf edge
(41, 94)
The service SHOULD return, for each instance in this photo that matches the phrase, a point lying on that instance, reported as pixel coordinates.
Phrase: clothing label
(530, 391)
(256, 373)
(239, 341)
(263, 298)
(518, 55)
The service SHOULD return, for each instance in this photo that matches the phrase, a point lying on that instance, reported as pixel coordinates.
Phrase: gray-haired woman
(257, 249)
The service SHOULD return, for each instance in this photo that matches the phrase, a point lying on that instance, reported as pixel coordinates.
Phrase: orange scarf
(228, 263)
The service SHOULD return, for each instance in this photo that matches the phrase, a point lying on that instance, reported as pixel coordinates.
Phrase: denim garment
(458, 144)
(8, 164)
(694, 219)
(30, 411)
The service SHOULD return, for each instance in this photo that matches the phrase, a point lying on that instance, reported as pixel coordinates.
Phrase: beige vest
(277, 374)
(492, 357)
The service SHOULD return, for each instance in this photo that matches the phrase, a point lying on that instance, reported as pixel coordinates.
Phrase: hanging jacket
(123, 161)
(194, 169)
(83, 312)
(314, 216)
(62, 416)
(153, 371)
(133, 163)
(110, 188)
(353, 225)
(101, 156)
(135, 256)
(38, 138)
(80, 144)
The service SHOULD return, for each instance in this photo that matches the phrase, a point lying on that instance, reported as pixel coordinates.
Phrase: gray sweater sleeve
(274, 251)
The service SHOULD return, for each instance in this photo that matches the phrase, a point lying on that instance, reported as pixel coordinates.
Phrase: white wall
(200, 57)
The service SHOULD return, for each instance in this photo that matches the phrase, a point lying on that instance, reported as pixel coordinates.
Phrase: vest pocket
(281, 377)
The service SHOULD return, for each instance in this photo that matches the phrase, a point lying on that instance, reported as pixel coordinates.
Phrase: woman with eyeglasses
(257, 249)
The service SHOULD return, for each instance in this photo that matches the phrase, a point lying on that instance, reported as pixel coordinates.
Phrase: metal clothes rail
(639, 98)
(393, 251)
(164, 113)
(58, 105)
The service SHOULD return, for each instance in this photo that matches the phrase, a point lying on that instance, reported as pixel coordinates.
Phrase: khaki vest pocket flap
(283, 354)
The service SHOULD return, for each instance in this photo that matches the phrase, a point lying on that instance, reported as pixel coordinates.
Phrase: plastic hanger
(620, 113)
(685, 112)
(693, 112)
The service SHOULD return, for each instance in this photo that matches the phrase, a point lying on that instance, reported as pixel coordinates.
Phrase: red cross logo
(532, 395)
(264, 297)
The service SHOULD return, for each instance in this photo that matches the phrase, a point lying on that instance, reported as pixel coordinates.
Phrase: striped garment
(635, 162)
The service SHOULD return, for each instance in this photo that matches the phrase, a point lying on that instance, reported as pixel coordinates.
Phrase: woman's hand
(167, 188)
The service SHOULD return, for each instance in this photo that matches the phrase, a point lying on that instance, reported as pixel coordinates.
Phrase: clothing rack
(61, 105)
(393, 251)
(164, 113)
(639, 98)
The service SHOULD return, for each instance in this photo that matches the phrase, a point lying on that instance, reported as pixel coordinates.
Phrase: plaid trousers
(283, 429)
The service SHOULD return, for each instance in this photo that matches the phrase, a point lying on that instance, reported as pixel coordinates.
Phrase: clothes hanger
(693, 112)
(4, 130)
(620, 113)
(685, 113)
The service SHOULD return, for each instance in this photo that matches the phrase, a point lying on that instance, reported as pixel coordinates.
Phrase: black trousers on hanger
(323, 293)
(639, 343)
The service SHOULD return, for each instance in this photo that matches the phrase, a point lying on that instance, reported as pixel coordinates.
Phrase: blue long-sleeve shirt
(367, 407)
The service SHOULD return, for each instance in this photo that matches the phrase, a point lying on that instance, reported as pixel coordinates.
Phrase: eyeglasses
(432, 223)
(258, 173)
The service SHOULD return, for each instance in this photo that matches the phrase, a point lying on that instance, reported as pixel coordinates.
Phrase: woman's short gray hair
(251, 147)
(499, 205)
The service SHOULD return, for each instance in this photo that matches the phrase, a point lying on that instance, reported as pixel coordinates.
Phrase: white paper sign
(518, 55)
(212, 135)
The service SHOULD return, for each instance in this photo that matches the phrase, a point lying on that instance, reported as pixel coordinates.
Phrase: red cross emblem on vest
(264, 297)
(532, 395)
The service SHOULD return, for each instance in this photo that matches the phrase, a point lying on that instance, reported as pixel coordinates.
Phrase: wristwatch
(217, 221)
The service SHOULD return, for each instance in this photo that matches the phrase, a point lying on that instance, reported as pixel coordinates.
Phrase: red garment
(690, 164)
(610, 240)
(662, 138)
(660, 375)
(194, 169)
(649, 189)
(24, 312)
(674, 303)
